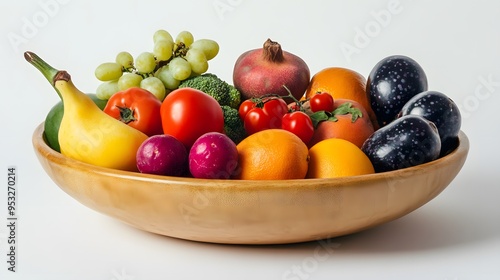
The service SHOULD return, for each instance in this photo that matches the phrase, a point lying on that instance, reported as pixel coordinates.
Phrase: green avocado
(53, 121)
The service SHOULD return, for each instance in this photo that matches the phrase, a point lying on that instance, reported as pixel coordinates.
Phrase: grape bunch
(159, 71)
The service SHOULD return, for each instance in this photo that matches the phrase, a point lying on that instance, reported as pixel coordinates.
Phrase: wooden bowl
(250, 212)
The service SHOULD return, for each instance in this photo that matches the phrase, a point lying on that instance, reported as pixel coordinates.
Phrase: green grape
(129, 80)
(125, 59)
(163, 50)
(105, 90)
(197, 60)
(155, 86)
(209, 47)
(180, 68)
(162, 35)
(166, 78)
(145, 63)
(184, 37)
(108, 71)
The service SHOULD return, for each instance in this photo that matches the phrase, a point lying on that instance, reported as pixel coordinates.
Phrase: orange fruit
(342, 83)
(356, 132)
(336, 157)
(272, 154)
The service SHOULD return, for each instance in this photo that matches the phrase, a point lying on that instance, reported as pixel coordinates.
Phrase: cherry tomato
(245, 106)
(187, 113)
(256, 120)
(300, 124)
(276, 108)
(264, 113)
(321, 102)
(137, 108)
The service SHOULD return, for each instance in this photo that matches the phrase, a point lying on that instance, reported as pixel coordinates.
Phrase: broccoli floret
(210, 84)
(235, 97)
(233, 124)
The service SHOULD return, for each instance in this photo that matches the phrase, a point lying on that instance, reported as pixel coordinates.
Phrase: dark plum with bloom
(391, 83)
(442, 111)
(407, 141)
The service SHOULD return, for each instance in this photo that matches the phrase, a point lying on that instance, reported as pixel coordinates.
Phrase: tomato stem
(260, 101)
(344, 109)
(297, 102)
(126, 114)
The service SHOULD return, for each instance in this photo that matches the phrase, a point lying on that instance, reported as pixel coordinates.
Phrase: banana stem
(50, 73)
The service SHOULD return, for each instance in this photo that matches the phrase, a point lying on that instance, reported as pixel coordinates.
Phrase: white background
(455, 236)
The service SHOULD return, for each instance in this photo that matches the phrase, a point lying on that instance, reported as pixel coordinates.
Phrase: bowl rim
(39, 143)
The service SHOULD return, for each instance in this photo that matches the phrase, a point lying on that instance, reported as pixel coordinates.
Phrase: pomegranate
(270, 70)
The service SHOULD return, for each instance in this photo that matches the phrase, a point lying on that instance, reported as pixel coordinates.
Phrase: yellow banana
(87, 133)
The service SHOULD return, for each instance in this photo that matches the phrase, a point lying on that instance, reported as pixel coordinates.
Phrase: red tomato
(256, 120)
(187, 113)
(276, 108)
(137, 108)
(266, 113)
(300, 124)
(321, 102)
(245, 106)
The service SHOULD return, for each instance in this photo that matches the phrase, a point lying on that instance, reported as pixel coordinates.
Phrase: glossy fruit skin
(162, 155)
(256, 120)
(267, 114)
(391, 83)
(276, 108)
(188, 113)
(407, 141)
(213, 156)
(53, 121)
(321, 102)
(137, 108)
(245, 106)
(300, 124)
(442, 111)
